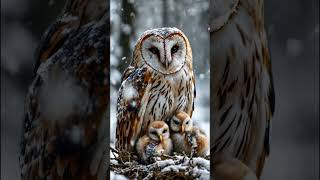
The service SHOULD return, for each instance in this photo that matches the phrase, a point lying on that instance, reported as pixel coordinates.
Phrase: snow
(201, 162)
(161, 31)
(294, 47)
(115, 76)
(126, 29)
(197, 167)
(76, 134)
(113, 59)
(201, 76)
(59, 99)
(115, 176)
(129, 92)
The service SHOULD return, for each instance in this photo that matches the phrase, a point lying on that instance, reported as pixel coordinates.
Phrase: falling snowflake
(129, 92)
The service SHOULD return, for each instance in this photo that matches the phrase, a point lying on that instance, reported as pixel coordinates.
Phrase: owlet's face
(181, 122)
(158, 131)
(164, 50)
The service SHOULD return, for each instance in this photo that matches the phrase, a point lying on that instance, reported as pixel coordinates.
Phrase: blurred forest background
(293, 28)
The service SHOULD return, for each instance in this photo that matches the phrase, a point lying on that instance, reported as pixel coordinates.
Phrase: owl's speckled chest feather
(168, 94)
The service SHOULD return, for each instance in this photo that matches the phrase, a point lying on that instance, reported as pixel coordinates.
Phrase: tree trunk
(165, 13)
(127, 31)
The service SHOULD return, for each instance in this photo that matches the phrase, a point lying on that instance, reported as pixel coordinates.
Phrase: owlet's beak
(182, 129)
(161, 138)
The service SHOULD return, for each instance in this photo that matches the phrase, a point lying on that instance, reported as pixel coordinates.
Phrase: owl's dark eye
(174, 49)
(164, 131)
(154, 133)
(154, 50)
(176, 122)
(187, 122)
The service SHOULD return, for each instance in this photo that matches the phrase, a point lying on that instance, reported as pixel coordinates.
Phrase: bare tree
(128, 14)
(164, 13)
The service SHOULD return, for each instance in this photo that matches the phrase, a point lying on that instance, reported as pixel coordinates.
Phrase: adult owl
(158, 82)
(242, 87)
(66, 113)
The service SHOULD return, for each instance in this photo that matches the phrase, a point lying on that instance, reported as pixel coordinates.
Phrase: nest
(177, 166)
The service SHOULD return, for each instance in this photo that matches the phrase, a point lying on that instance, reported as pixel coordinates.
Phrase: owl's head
(181, 122)
(158, 131)
(166, 50)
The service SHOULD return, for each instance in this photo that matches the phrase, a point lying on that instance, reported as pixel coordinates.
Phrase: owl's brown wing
(54, 37)
(243, 95)
(132, 101)
(66, 108)
(193, 84)
(270, 108)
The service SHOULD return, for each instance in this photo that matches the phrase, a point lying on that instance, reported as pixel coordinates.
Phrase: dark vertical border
(211, 86)
(108, 50)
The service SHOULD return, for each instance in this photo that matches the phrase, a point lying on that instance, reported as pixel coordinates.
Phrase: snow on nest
(117, 176)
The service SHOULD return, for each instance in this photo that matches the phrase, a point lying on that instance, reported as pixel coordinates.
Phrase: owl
(158, 82)
(66, 112)
(156, 142)
(243, 99)
(186, 137)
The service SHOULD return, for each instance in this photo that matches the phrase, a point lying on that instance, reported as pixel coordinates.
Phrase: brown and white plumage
(243, 94)
(66, 112)
(158, 83)
(156, 142)
(186, 137)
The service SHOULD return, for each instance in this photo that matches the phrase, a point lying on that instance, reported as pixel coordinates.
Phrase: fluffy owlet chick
(156, 142)
(185, 137)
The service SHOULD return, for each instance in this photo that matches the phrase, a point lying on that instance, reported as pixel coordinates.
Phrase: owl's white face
(165, 54)
(179, 124)
(159, 131)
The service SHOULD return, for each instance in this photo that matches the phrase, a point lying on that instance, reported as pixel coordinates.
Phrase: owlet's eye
(187, 122)
(153, 133)
(176, 122)
(174, 49)
(154, 50)
(164, 131)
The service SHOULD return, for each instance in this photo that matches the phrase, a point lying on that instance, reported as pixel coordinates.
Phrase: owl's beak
(167, 63)
(161, 138)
